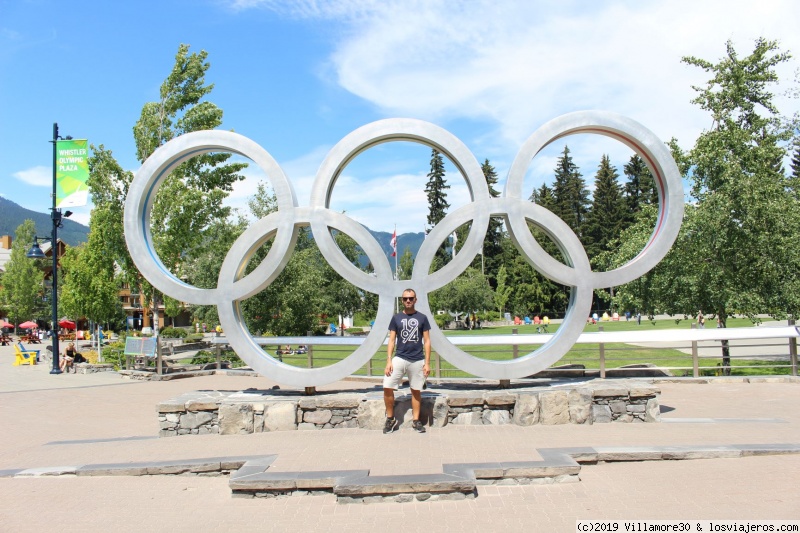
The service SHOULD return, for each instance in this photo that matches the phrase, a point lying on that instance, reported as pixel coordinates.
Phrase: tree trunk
(726, 350)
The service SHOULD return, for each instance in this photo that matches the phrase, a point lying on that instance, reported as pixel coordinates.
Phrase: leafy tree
(90, 288)
(406, 264)
(468, 292)
(21, 292)
(502, 292)
(203, 269)
(191, 197)
(607, 211)
(437, 202)
(736, 252)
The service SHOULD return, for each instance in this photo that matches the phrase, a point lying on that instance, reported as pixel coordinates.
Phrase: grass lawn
(616, 354)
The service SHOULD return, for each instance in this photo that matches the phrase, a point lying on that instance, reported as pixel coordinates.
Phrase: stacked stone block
(261, 411)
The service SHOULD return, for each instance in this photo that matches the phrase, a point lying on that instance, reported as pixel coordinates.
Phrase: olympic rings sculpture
(284, 224)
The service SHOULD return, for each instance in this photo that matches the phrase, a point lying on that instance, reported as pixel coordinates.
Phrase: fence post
(515, 347)
(695, 362)
(159, 369)
(438, 362)
(793, 350)
(602, 356)
(310, 352)
(219, 356)
(369, 366)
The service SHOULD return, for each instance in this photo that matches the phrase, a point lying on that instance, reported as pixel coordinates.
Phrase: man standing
(409, 330)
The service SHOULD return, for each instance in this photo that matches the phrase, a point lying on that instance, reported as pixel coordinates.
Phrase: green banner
(72, 172)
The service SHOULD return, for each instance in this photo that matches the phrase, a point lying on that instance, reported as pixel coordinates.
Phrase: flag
(394, 244)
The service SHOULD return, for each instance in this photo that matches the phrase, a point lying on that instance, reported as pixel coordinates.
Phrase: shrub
(113, 354)
(442, 320)
(193, 337)
(173, 333)
(204, 357)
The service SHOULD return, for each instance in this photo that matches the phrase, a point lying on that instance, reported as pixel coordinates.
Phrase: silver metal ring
(283, 225)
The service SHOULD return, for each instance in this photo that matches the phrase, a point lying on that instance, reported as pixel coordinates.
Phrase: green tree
(502, 292)
(406, 264)
(543, 196)
(736, 252)
(468, 292)
(571, 197)
(21, 292)
(191, 197)
(492, 251)
(607, 211)
(640, 188)
(89, 288)
(437, 203)
(794, 177)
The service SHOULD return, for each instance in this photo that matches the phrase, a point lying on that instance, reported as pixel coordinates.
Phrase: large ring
(233, 285)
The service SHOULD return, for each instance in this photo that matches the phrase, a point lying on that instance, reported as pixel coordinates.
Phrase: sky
(298, 76)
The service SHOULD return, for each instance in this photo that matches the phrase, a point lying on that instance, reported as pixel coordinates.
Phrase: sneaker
(390, 425)
(418, 426)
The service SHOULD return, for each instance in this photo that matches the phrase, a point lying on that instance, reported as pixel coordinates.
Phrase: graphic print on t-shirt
(410, 331)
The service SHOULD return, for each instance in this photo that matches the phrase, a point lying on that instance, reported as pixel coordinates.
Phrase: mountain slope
(12, 215)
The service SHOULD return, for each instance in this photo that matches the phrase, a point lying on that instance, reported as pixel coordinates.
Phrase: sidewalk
(58, 420)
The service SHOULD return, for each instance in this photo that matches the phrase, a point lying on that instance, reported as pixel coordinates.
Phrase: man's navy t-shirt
(409, 330)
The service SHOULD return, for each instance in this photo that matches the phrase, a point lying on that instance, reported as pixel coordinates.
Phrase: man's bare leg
(416, 403)
(388, 400)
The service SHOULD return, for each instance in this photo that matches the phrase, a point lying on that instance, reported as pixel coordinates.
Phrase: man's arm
(426, 345)
(389, 352)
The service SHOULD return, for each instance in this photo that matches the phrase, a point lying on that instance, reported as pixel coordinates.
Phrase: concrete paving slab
(101, 419)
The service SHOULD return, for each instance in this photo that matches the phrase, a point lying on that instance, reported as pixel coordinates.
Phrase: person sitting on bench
(68, 358)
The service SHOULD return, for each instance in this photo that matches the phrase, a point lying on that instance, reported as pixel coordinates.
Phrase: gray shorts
(400, 366)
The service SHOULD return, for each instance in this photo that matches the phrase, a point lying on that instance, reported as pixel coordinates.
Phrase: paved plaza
(74, 419)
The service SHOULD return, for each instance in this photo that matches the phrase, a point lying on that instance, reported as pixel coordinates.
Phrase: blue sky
(298, 76)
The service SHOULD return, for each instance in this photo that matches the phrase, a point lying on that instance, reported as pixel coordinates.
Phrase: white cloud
(514, 65)
(37, 176)
(493, 71)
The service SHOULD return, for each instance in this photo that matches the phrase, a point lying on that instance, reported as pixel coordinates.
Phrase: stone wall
(87, 368)
(206, 412)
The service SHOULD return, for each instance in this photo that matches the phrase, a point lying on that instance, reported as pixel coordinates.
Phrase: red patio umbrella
(28, 325)
(4, 324)
(66, 324)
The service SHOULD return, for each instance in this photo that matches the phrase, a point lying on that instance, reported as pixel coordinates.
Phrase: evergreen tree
(640, 188)
(492, 244)
(543, 196)
(570, 194)
(796, 162)
(437, 203)
(605, 217)
(794, 177)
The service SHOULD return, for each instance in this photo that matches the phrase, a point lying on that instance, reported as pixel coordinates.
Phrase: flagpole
(396, 274)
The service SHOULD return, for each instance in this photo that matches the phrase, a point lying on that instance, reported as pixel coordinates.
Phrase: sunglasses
(409, 298)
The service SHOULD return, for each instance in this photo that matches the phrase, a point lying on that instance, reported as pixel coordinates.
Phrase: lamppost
(36, 253)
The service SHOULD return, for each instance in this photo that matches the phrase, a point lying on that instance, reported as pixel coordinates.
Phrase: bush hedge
(173, 333)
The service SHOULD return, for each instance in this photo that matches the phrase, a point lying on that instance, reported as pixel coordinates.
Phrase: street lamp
(36, 253)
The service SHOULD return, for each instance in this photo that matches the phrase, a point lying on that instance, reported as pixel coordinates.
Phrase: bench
(24, 356)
